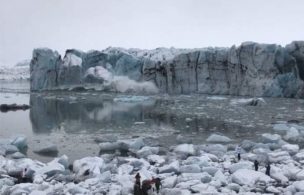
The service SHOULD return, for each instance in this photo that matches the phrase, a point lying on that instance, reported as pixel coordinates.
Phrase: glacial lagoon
(74, 120)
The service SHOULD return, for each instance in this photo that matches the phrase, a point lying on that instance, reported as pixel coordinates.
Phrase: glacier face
(250, 69)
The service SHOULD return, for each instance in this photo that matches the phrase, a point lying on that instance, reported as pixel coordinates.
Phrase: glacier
(251, 69)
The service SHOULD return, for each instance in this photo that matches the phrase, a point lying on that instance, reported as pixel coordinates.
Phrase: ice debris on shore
(184, 169)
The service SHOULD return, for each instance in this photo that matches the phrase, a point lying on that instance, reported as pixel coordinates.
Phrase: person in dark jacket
(146, 185)
(157, 184)
(256, 165)
(268, 169)
(137, 188)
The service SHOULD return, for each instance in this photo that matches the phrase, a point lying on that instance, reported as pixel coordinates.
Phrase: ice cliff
(250, 69)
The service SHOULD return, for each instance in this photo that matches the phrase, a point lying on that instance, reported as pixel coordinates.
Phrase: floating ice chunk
(249, 177)
(218, 138)
(216, 98)
(18, 155)
(188, 119)
(139, 123)
(9, 149)
(47, 149)
(248, 101)
(109, 146)
(185, 149)
(131, 99)
(20, 142)
(281, 127)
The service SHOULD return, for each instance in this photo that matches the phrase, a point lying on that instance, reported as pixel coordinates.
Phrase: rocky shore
(210, 168)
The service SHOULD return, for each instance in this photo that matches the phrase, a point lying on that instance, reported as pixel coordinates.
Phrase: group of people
(142, 188)
(256, 163)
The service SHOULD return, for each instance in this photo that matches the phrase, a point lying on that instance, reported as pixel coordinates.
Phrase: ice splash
(118, 83)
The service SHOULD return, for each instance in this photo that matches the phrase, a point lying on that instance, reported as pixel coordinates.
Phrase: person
(238, 152)
(137, 179)
(256, 165)
(268, 169)
(137, 189)
(146, 186)
(157, 184)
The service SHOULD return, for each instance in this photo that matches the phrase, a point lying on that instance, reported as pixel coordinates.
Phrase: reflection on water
(76, 114)
(70, 119)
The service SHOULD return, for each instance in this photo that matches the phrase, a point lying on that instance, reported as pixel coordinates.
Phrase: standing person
(137, 179)
(238, 152)
(137, 189)
(256, 165)
(268, 169)
(157, 184)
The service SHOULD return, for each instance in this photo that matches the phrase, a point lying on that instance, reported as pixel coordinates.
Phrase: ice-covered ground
(14, 73)
(185, 168)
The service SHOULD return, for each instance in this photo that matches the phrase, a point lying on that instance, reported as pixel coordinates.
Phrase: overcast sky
(97, 24)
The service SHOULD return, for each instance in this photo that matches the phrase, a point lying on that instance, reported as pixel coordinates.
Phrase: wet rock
(13, 107)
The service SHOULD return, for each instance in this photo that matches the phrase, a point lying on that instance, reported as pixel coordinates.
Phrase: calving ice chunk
(103, 76)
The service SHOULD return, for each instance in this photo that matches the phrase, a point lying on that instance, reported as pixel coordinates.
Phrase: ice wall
(250, 69)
